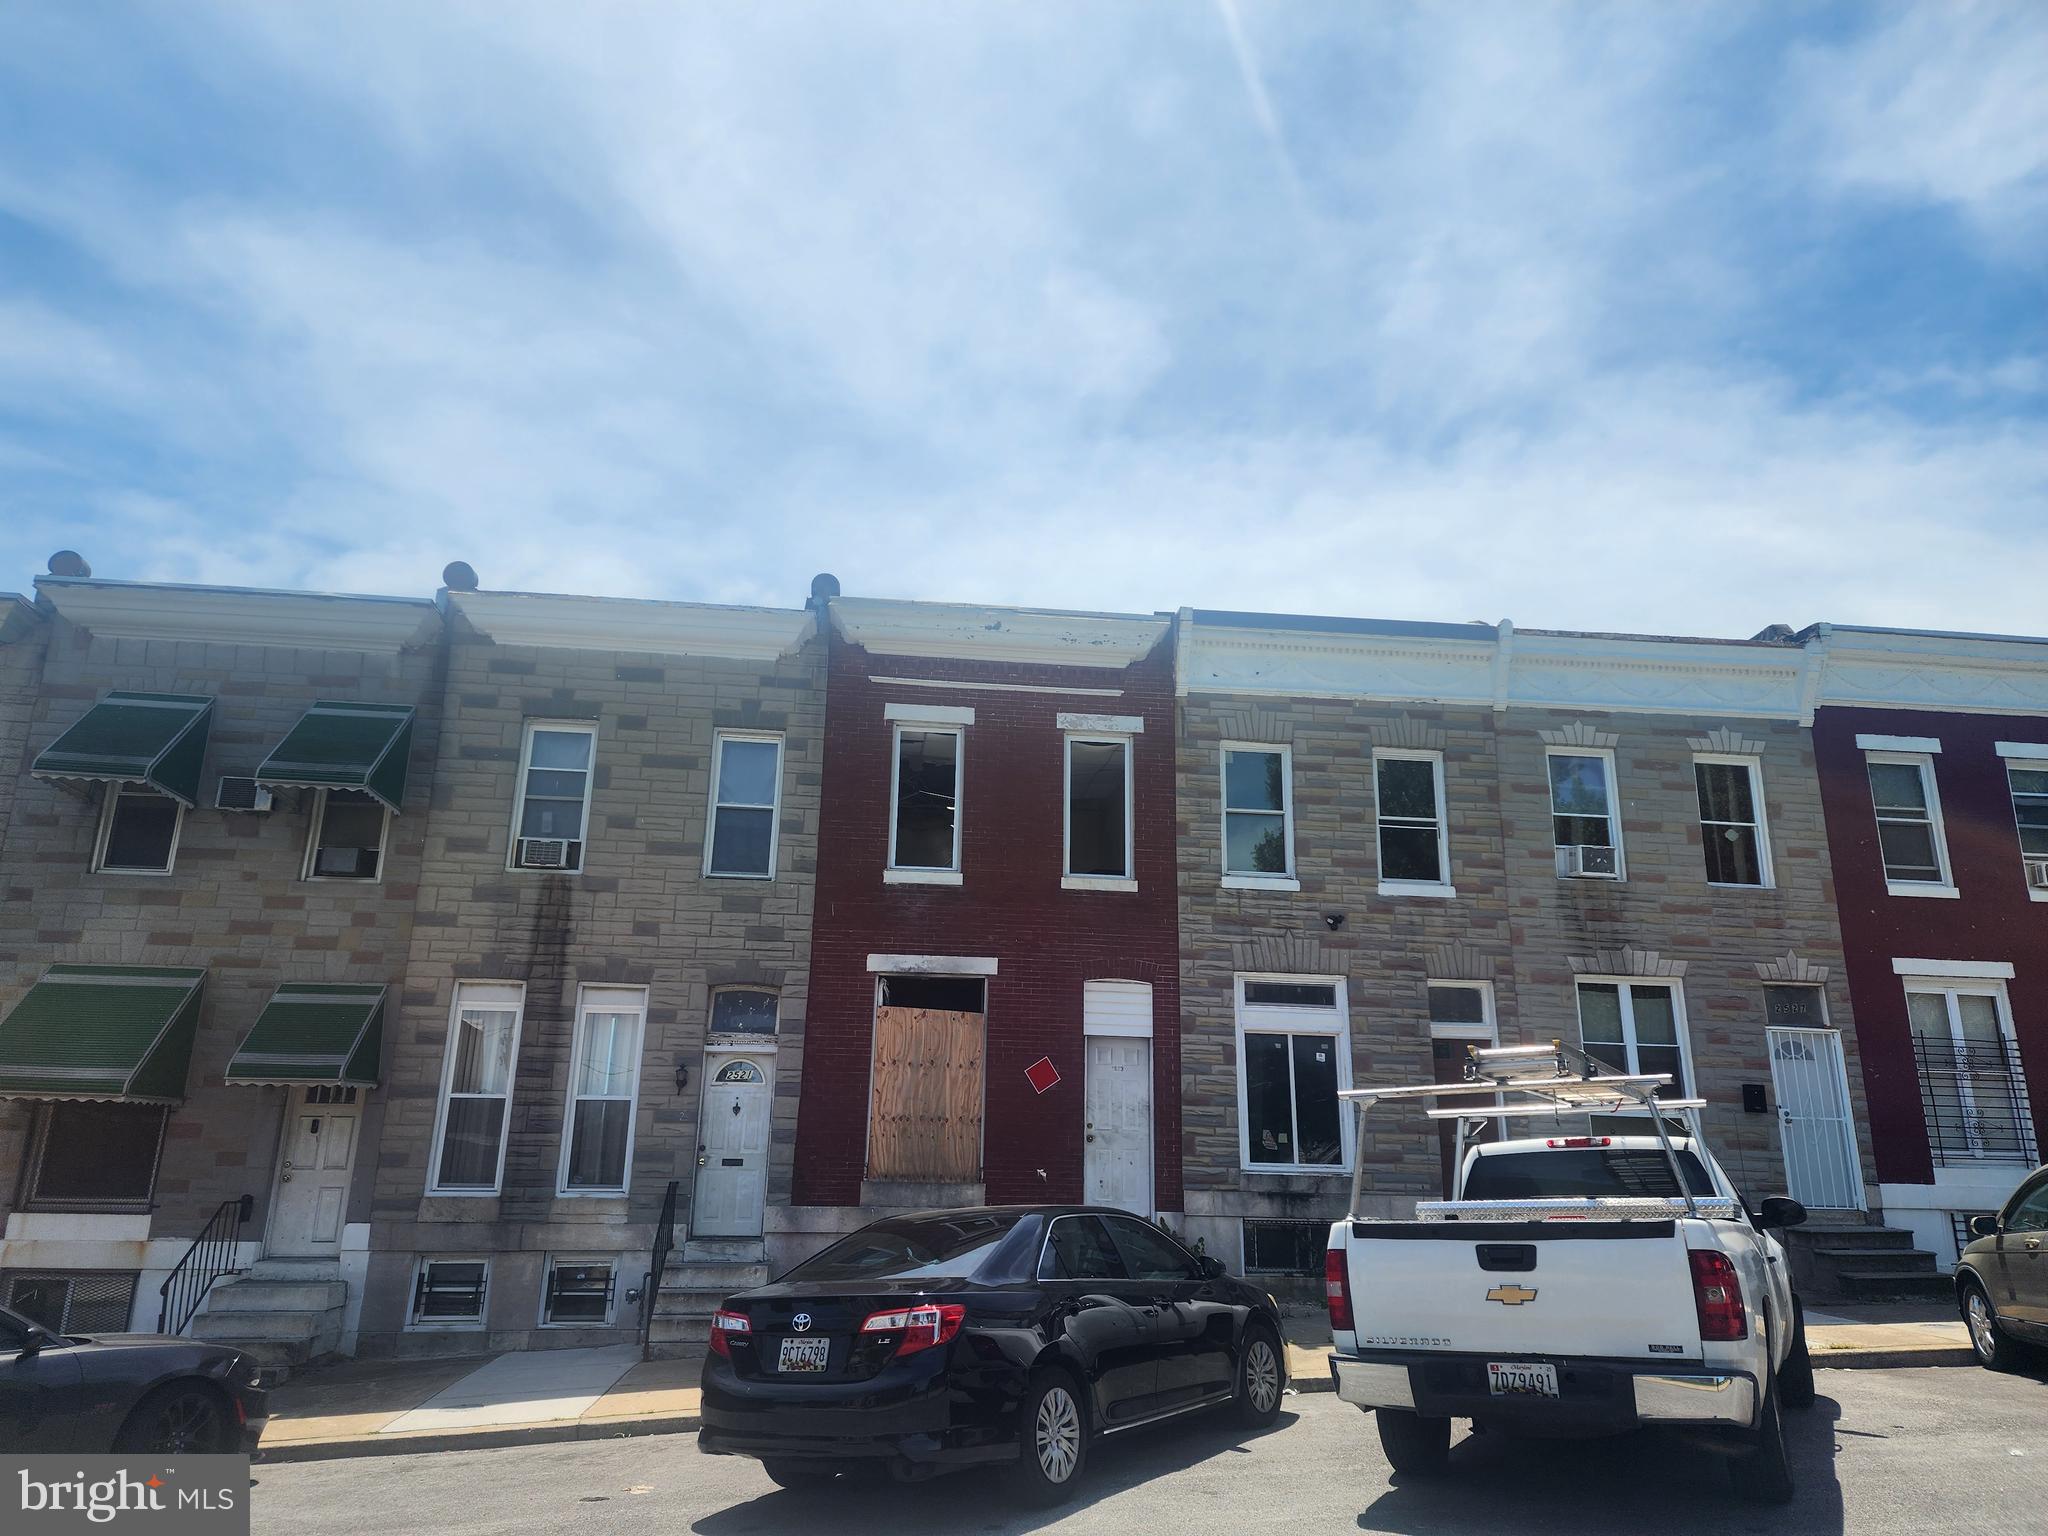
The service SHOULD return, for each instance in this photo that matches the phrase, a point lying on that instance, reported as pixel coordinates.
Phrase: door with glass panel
(732, 1151)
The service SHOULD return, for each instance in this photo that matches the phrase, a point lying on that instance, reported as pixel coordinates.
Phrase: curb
(421, 1442)
(1892, 1359)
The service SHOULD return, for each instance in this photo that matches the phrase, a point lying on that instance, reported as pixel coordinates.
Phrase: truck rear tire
(1795, 1380)
(1763, 1475)
(1414, 1444)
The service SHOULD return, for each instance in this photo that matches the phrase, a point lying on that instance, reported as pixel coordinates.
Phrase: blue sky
(1650, 317)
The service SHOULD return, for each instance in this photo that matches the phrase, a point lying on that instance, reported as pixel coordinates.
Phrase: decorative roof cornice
(328, 621)
(558, 622)
(1905, 669)
(978, 632)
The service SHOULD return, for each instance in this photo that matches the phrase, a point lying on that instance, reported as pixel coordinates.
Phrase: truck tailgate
(1524, 1289)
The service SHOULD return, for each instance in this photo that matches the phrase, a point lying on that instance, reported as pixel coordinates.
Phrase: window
(746, 788)
(138, 831)
(1973, 1090)
(348, 836)
(924, 834)
(449, 1293)
(738, 1011)
(579, 1293)
(1732, 834)
(1607, 1173)
(1415, 856)
(1079, 1248)
(604, 1074)
(2029, 781)
(1294, 1056)
(1461, 1010)
(88, 1156)
(554, 797)
(1635, 1027)
(1582, 815)
(476, 1089)
(1099, 807)
(1909, 832)
(1285, 1247)
(73, 1301)
(1795, 1007)
(1258, 815)
(2029, 1210)
(1149, 1254)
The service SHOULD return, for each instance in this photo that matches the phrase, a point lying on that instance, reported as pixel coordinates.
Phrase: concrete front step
(722, 1250)
(294, 1269)
(253, 1295)
(1862, 1285)
(1888, 1261)
(279, 1327)
(1859, 1235)
(713, 1277)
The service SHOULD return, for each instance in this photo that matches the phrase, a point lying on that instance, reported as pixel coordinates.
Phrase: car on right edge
(2002, 1279)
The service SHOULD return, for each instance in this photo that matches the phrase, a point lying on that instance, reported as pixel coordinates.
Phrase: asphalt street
(1919, 1451)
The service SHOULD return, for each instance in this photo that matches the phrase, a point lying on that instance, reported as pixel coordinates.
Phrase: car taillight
(1580, 1141)
(1337, 1287)
(723, 1326)
(924, 1327)
(1717, 1294)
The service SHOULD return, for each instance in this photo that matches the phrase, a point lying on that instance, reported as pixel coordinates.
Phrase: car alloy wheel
(1058, 1435)
(187, 1423)
(1261, 1375)
(1983, 1327)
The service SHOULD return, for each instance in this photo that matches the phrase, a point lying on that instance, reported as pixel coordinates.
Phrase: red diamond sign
(1042, 1074)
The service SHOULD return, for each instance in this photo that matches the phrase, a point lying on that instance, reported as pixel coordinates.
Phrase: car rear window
(917, 1249)
(1603, 1173)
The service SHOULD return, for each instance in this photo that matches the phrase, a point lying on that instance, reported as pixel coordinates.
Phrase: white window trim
(1280, 1019)
(1628, 984)
(1915, 746)
(1487, 1030)
(929, 714)
(1069, 880)
(582, 839)
(1113, 725)
(496, 994)
(1764, 865)
(1241, 880)
(1951, 970)
(1443, 888)
(575, 1260)
(954, 873)
(1945, 887)
(2026, 764)
(1106, 1028)
(932, 965)
(106, 830)
(1606, 755)
(718, 741)
(313, 846)
(2024, 751)
(591, 998)
(415, 1324)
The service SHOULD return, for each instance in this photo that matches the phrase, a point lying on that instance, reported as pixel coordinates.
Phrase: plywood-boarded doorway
(925, 1106)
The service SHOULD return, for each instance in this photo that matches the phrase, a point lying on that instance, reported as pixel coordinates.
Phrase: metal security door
(1119, 1145)
(1813, 1118)
(732, 1151)
(312, 1180)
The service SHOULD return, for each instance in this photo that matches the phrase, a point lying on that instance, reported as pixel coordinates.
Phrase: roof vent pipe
(69, 562)
(824, 587)
(459, 576)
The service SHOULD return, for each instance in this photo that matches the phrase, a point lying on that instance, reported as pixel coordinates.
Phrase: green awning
(314, 1032)
(135, 738)
(344, 746)
(102, 1032)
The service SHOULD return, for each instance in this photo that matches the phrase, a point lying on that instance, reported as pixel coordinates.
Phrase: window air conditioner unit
(1586, 860)
(546, 853)
(356, 863)
(2037, 874)
(238, 794)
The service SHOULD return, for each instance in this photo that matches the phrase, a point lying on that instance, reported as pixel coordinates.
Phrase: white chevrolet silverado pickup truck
(1575, 1284)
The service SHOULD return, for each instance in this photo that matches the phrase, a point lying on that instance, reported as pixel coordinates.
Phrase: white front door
(1119, 1146)
(313, 1174)
(732, 1151)
(1813, 1118)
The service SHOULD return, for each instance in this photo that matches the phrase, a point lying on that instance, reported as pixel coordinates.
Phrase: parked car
(1013, 1337)
(126, 1392)
(2002, 1279)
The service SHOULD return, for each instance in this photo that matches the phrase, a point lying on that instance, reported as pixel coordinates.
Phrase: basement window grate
(1285, 1247)
(71, 1301)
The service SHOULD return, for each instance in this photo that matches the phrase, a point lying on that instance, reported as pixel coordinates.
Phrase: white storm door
(1119, 1145)
(732, 1151)
(1813, 1119)
(312, 1179)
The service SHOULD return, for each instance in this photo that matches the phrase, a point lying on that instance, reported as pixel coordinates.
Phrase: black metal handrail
(211, 1255)
(664, 1244)
(1975, 1100)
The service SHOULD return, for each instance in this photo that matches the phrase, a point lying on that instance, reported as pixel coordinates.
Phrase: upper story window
(746, 789)
(1732, 833)
(1098, 816)
(1635, 1027)
(553, 815)
(1583, 819)
(924, 792)
(138, 831)
(1909, 831)
(476, 1088)
(347, 842)
(2029, 781)
(1258, 815)
(1415, 855)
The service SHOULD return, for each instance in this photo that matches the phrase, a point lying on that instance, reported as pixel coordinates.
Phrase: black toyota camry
(1011, 1336)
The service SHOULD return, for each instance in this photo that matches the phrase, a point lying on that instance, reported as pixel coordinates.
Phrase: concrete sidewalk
(394, 1407)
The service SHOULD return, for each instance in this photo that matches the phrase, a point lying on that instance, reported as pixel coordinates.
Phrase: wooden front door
(732, 1147)
(313, 1174)
(924, 1113)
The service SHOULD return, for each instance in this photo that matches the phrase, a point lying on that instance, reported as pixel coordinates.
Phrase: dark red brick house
(994, 1002)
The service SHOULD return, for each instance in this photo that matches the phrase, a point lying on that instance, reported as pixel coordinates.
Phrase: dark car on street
(128, 1392)
(2002, 1280)
(1012, 1337)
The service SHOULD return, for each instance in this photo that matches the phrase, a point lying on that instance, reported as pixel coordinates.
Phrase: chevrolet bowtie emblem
(1511, 1295)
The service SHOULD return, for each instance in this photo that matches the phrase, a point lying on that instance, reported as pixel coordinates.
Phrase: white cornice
(629, 624)
(1965, 673)
(973, 632)
(241, 615)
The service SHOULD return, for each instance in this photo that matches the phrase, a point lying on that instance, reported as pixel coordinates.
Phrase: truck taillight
(723, 1326)
(1717, 1294)
(1337, 1287)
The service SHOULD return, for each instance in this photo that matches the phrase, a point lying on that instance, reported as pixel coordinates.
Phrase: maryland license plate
(1520, 1378)
(807, 1355)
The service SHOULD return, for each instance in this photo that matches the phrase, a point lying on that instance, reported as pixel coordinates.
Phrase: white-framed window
(138, 832)
(579, 1292)
(551, 819)
(1733, 833)
(2028, 779)
(1635, 1027)
(1414, 838)
(604, 1081)
(347, 837)
(1972, 1088)
(474, 1115)
(925, 775)
(746, 805)
(1462, 1010)
(1258, 815)
(1585, 817)
(1909, 832)
(1098, 811)
(1293, 1059)
(449, 1293)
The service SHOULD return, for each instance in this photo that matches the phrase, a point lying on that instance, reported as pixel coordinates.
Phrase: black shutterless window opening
(1600, 1173)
